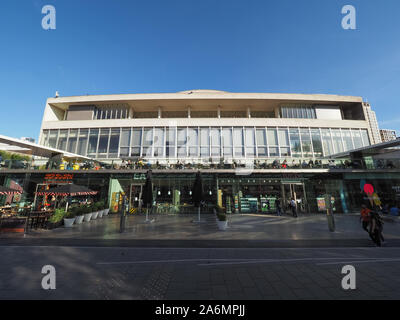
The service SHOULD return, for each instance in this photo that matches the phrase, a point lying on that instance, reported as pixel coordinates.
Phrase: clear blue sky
(128, 46)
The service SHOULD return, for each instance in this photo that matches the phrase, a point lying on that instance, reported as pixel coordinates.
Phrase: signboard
(58, 178)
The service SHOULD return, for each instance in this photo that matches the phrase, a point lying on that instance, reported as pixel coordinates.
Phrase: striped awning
(8, 191)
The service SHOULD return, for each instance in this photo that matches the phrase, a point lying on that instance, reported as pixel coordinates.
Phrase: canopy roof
(34, 149)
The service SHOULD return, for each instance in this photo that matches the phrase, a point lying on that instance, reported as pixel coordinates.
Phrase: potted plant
(222, 221)
(69, 218)
(106, 209)
(95, 213)
(99, 209)
(56, 219)
(87, 213)
(79, 215)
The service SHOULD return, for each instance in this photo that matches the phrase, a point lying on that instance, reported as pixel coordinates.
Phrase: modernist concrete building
(251, 148)
(198, 125)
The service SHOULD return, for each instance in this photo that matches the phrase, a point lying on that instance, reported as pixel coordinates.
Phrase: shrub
(221, 216)
(58, 215)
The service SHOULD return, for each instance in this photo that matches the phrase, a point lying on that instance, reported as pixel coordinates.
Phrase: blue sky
(129, 46)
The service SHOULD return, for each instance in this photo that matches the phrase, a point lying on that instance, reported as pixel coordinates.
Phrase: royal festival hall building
(251, 148)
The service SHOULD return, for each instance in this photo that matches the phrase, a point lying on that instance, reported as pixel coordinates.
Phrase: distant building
(373, 123)
(27, 139)
(387, 134)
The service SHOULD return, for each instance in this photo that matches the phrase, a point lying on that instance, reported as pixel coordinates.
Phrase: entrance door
(135, 196)
(295, 191)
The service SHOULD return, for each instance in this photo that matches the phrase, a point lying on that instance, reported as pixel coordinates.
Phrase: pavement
(107, 273)
(257, 257)
(252, 231)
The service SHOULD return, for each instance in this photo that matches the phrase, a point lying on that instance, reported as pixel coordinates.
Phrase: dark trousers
(294, 211)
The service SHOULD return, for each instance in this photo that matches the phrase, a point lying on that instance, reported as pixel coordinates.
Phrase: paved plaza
(258, 257)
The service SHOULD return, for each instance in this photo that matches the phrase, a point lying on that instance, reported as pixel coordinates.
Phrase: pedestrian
(365, 217)
(278, 207)
(293, 206)
(376, 228)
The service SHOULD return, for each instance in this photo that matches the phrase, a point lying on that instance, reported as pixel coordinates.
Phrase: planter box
(106, 211)
(13, 225)
(68, 222)
(95, 215)
(222, 225)
(79, 219)
(101, 214)
(87, 216)
(54, 225)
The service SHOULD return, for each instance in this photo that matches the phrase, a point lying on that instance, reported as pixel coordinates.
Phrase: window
(327, 142)
(147, 150)
(306, 142)
(53, 138)
(72, 140)
(295, 142)
(158, 142)
(83, 141)
(273, 145)
(114, 143)
(365, 138)
(337, 141)
(215, 136)
(103, 143)
(357, 138)
(62, 140)
(238, 142)
(300, 112)
(227, 141)
(182, 141)
(126, 142)
(261, 142)
(170, 142)
(193, 135)
(316, 142)
(283, 136)
(348, 141)
(250, 142)
(93, 139)
(204, 142)
(45, 135)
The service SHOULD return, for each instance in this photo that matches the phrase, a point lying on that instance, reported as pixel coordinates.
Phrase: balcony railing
(269, 164)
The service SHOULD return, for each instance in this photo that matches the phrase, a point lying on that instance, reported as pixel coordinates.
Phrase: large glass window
(53, 138)
(306, 142)
(147, 143)
(126, 142)
(337, 140)
(250, 142)
(171, 142)
(72, 140)
(182, 142)
(204, 142)
(357, 138)
(327, 142)
(261, 142)
(273, 145)
(83, 141)
(159, 142)
(215, 136)
(365, 137)
(62, 140)
(238, 142)
(193, 136)
(45, 135)
(348, 141)
(295, 142)
(93, 139)
(114, 143)
(283, 136)
(103, 143)
(227, 141)
(301, 112)
(316, 142)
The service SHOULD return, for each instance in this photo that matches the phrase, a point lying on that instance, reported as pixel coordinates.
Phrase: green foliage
(13, 156)
(221, 216)
(58, 215)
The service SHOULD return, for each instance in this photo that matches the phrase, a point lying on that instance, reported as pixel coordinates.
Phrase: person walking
(278, 207)
(293, 206)
(365, 217)
(376, 228)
